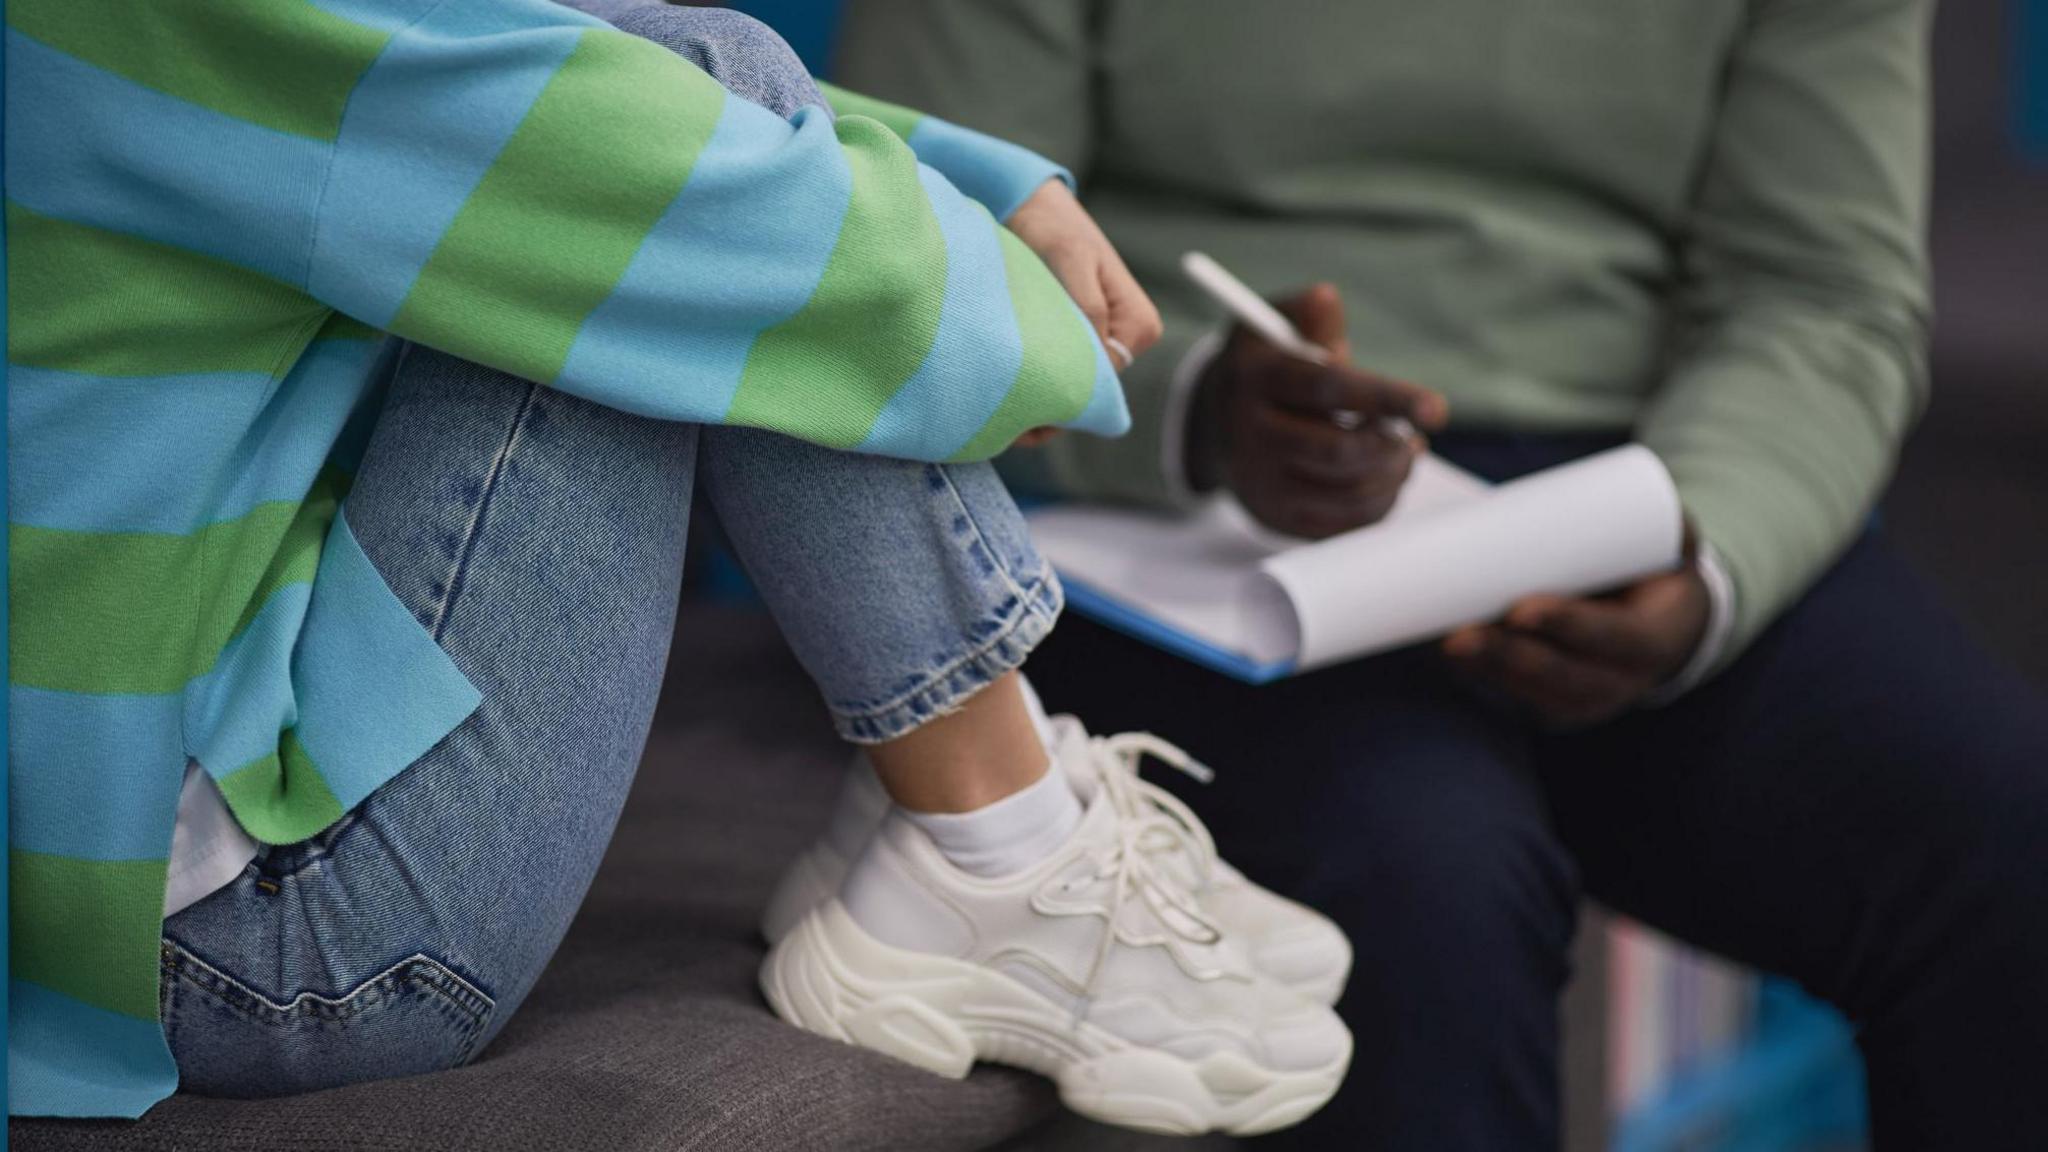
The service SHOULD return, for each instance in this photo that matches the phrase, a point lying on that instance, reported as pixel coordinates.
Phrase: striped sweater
(220, 213)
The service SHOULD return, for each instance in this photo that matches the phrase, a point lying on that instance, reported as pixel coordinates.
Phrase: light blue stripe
(94, 777)
(362, 654)
(976, 354)
(393, 16)
(74, 753)
(422, 127)
(739, 250)
(354, 441)
(94, 453)
(69, 1058)
(996, 173)
(105, 151)
(234, 712)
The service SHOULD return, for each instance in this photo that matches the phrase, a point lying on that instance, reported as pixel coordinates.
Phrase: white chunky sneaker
(1095, 968)
(1287, 941)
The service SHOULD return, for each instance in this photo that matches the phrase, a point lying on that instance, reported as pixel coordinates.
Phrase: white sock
(1010, 835)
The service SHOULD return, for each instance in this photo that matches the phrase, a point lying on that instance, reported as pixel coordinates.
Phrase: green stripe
(144, 612)
(281, 798)
(548, 231)
(87, 928)
(824, 374)
(136, 308)
(896, 118)
(339, 327)
(1057, 378)
(283, 64)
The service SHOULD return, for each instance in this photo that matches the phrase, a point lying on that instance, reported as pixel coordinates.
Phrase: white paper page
(1583, 527)
(1199, 573)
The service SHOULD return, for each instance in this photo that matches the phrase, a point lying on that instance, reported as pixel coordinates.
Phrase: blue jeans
(1857, 803)
(539, 538)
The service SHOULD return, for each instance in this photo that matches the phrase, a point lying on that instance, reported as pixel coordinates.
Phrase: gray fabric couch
(647, 1032)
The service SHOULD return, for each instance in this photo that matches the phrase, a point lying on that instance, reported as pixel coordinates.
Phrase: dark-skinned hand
(1301, 444)
(1579, 661)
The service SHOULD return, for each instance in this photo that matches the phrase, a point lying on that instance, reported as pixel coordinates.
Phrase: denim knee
(1440, 887)
(750, 59)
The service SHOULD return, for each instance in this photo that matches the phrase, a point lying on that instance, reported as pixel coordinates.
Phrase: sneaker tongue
(1099, 818)
(1075, 756)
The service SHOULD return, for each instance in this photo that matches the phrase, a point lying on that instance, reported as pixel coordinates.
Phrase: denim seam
(474, 529)
(940, 691)
(472, 1006)
(980, 537)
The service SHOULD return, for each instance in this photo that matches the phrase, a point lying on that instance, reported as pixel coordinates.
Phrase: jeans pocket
(418, 1015)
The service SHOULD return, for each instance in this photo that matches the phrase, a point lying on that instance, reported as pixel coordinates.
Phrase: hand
(1272, 427)
(1577, 662)
(1053, 224)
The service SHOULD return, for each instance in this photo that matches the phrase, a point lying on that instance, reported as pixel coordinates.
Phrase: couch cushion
(647, 1032)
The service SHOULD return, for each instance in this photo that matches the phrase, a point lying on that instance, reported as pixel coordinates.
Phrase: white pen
(1254, 313)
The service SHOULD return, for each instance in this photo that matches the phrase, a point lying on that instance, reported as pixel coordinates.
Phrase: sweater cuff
(999, 175)
(1720, 627)
(1173, 417)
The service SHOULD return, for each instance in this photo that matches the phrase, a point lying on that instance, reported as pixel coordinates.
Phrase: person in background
(1543, 230)
(348, 512)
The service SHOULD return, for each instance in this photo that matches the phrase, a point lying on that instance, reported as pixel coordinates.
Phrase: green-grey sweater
(1702, 220)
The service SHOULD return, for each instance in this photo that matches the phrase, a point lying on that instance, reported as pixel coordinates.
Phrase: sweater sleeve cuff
(996, 173)
(1720, 627)
(1173, 420)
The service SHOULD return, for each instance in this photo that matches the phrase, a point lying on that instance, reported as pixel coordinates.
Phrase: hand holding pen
(1311, 445)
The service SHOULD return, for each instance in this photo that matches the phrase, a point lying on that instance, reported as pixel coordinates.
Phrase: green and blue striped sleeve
(528, 188)
(995, 173)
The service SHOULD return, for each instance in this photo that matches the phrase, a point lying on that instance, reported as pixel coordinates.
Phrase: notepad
(1217, 588)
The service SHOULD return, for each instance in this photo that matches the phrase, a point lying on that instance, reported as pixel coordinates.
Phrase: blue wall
(2030, 77)
(808, 25)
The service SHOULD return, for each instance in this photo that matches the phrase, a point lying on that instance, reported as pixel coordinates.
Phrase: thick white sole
(815, 875)
(830, 977)
(810, 880)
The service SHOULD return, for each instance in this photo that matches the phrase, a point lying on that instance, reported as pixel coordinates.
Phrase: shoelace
(1126, 751)
(1144, 830)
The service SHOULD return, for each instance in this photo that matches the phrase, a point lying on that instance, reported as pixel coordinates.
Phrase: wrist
(1705, 565)
(1208, 431)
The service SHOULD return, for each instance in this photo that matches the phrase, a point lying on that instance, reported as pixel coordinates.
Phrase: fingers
(1310, 477)
(1343, 510)
(1133, 320)
(1035, 437)
(1053, 224)
(1648, 628)
(1337, 388)
(1318, 313)
(1321, 451)
(1602, 629)
(1564, 689)
(1317, 513)
(1581, 660)
(1077, 270)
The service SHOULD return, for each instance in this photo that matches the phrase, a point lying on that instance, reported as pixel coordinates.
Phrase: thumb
(1319, 313)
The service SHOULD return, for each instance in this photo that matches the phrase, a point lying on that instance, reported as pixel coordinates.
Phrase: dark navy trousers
(1859, 803)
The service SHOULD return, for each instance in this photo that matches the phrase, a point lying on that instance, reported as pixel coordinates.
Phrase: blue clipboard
(1110, 612)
